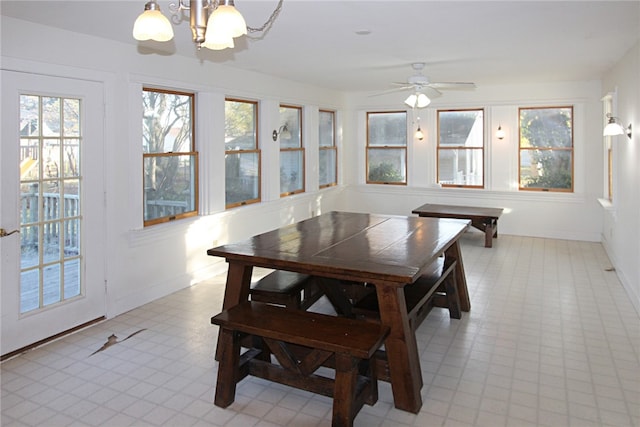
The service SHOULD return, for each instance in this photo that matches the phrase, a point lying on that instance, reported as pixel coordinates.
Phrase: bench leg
(228, 368)
(344, 393)
(453, 301)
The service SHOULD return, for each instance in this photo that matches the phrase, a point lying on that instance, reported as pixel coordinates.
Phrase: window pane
(546, 148)
(240, 125)
(169, 188)
(291, 171)
(460, 167)
(546, 127)
(242, 177)
(387, 129)
(166, 122)
(326, 136)
(327, 167)
(461, 128)
(545, 169)
(386, 165)
(290, 127)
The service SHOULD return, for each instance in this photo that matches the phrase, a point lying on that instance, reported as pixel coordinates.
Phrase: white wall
(621, 226)
(575, 216)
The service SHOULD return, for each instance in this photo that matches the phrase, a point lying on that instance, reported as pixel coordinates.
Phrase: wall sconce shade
(614, 128)
(214, 23)
(283, 132)
(419, 134)
(500, 132)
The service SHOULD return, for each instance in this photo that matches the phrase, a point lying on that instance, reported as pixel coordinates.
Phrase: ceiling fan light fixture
(417, 100)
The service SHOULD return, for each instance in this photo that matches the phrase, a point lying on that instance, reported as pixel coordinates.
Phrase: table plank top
(453, 211)
(351, 246)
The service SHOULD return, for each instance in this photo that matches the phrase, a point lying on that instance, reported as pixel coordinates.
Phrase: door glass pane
(50, 213)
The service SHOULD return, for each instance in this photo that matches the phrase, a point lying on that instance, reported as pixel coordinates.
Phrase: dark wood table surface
(388, 252)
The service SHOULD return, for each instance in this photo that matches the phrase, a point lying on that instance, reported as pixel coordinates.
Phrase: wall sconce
(500, 133)
(419, 134)
(614, 127)
(283, 131)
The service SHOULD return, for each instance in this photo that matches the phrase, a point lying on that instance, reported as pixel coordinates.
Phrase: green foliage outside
(385, 172)
(546, 139)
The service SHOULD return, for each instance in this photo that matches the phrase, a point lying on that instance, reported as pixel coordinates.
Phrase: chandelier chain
(269, 21)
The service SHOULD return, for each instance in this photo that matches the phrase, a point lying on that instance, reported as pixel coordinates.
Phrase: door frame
(26, 330)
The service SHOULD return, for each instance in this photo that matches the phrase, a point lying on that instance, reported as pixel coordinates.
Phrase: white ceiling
(315, 41)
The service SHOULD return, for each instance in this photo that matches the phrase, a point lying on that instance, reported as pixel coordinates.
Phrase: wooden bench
(301, 342)
(434, 288)
(293, 290)
(484, 219)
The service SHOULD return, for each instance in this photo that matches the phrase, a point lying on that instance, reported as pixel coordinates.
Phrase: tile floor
(552, 340)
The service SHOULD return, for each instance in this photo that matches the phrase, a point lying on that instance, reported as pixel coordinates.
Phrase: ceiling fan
(423, 89)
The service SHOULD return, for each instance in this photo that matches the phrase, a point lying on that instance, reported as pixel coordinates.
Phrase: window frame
(300, 148)
(192, 153)
(331, 147)
(439, 148)
(256, 150)
(571, 150)
(387, 147)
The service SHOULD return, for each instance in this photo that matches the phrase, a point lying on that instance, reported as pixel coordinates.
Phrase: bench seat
(434, 288)
(288, 288)
(301, 342)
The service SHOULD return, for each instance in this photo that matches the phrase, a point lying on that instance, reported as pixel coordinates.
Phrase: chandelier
(214, 23)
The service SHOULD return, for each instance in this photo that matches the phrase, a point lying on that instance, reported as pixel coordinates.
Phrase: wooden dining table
(386, 251)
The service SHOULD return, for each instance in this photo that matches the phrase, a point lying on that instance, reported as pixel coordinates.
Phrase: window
(242, 156)
(546, 149)
(169, 158)
(291, 151)
(461, 148)
(387, 148)
(607, 106)
(328, 166)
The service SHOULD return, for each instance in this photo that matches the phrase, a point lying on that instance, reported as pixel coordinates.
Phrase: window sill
(606, 204)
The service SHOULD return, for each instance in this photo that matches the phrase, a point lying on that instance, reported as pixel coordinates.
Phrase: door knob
(5, 233)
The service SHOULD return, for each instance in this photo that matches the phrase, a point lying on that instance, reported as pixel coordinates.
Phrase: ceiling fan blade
(453, 85)
(398, 89)
(432, 93)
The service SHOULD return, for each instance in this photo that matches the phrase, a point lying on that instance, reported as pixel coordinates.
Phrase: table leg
(401, 349)
(455, 253)
(236, 290)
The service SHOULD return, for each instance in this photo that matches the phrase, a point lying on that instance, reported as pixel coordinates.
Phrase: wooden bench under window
(301, 342)
(484, 219)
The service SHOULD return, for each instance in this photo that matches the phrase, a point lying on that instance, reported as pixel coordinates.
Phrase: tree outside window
(328, 153)
(546, 149)
(291, 150)
(169, 156)
(461, 148)
(387, 147)
(242, 156)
